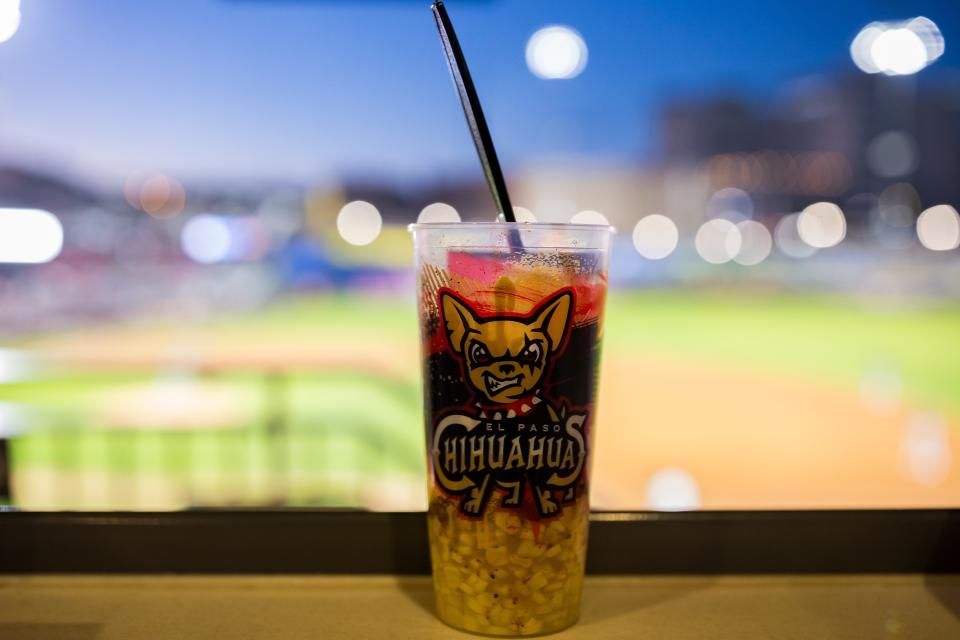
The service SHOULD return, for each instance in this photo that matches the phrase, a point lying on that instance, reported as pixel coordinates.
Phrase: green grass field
(817, 338)
(340, 429)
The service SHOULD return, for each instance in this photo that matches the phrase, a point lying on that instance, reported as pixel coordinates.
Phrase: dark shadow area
(418, 589)
(410, 557)
(310, 541)
(407, 541)
(946, 589)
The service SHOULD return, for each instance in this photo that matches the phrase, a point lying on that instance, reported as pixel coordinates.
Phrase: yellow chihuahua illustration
(505, 356)
(513, 437)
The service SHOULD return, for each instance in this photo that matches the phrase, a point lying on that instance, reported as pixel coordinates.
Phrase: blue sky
(297, 90)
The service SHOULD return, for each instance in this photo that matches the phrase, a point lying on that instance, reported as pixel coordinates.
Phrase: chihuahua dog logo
(514, 436)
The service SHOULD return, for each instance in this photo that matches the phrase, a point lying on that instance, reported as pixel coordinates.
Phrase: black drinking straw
(474, 114)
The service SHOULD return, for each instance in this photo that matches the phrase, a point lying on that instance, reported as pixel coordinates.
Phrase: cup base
(482, 634)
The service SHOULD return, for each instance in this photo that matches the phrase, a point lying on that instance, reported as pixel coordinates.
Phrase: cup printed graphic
(511, 335)
(514, 437)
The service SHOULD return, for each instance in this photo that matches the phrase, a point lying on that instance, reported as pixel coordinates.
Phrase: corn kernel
(497, 556)
(538, 581)
(477, 583)
(472, 623)
(494, 576)
(531, 625)
(451, 573)
(475, 605)
(499, 616)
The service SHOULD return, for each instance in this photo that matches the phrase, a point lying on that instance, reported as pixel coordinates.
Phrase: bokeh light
(29, 236)
(899, 205)
(929, 33)
(787, 238)
(673, 489)
(892, 154)
(522, 214)
(822, 225)
(359, 223)
(554, 206)
(162, 196)
(9, 18)
(755, 243)
(825, 173)
(717, 241)
(899, 52)
(938, 228)
(206, 239)
(925, 448)
(655, 236)
(13, 419)
(250, 238)
(899, 48)
(589, 217)
(861, 49)
(132, 186)
(438, 212)
(556, 53)
(209, 238)
(15, 366)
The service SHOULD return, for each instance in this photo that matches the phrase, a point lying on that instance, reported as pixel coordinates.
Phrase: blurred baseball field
(708, 400)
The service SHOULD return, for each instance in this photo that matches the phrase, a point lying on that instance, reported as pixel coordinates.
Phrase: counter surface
(330, 607)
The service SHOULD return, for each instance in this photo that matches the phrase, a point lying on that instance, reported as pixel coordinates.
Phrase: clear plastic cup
(511, 326)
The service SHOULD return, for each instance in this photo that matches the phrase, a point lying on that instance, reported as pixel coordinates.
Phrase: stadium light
(438, 212)
(522, 214)
(15, 366)
(897, 48)
(655, 236)
(29, 236)
(718, 241)
(9, 18)
(938, 228)
(206, 239)
(673, 489)
(556, 53)
(359, 223)
(209, 239)
(589, 216)
(822, 225)
(755, 243)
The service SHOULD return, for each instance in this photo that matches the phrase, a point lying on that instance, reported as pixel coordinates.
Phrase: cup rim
(518, 226)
